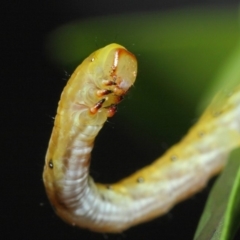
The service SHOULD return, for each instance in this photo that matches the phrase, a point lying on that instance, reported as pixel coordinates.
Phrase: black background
(31, 87)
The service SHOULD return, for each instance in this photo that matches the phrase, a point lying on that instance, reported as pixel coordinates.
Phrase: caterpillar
(89, 98)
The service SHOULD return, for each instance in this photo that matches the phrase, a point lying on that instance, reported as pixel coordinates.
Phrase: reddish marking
(119, 52)
(97, 106)
(111, 110)
(108, 83)
(120, 98)
(103, 92)
(118, 91)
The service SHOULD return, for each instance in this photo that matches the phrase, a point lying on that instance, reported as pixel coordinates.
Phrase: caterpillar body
(90, 96)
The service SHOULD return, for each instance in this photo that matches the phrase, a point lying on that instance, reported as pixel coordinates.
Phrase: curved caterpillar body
(90, 96)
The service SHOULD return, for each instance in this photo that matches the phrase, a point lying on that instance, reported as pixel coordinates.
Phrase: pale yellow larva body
(183, 170)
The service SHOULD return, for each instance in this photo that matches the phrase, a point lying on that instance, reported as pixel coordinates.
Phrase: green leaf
(221, 217)
(227, 78)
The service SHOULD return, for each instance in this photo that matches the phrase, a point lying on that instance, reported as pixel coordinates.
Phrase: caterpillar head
(114, 69)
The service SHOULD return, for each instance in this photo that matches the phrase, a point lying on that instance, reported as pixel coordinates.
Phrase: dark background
(31, 86)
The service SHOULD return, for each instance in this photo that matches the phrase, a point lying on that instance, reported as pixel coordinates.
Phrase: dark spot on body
(50, 163)
(201, 134)
(140, 180)
(217, 113)
(173, 158)
(103, 197)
